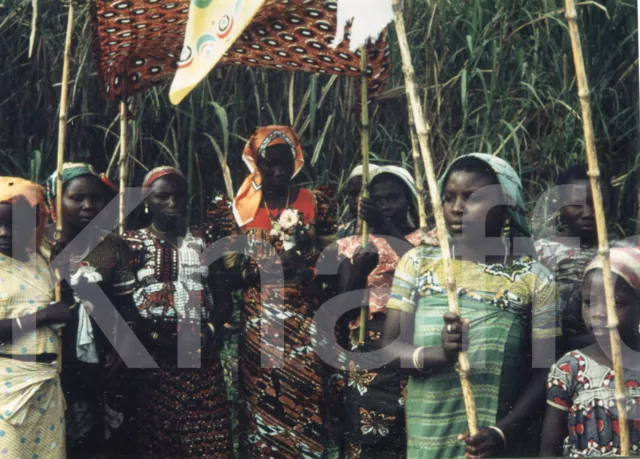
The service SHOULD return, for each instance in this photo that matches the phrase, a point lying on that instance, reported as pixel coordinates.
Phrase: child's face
(594, 309)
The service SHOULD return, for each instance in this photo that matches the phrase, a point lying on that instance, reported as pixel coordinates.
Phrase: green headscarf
(71, 171)
(511, 189)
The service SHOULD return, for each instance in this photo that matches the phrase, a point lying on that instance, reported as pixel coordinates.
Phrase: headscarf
(72, 171)
(159, 172)
(511, 190)
(625, 262)
(357, 171)
(12, 188)
(247, 201)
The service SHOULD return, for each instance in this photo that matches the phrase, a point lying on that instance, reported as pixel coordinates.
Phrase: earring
(506, 229)
(506, 237)
(146, 209)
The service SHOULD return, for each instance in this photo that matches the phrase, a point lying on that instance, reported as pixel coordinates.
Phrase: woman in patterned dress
(91, 255)
(182, 406)
(503, 297)
(582, 417)
(376, 395)
(569, 251)
(31, 400)
(281, 377)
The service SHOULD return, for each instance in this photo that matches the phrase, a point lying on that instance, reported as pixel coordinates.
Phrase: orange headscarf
(248, 199)
(12, 188)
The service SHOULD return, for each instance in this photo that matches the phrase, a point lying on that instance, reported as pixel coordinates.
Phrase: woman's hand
(57, 313)
(454, 336)
(292, 262)
(486, 443)
(371, 213)
(353, 273)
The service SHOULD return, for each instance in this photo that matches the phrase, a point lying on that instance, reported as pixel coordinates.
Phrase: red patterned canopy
(138, 43)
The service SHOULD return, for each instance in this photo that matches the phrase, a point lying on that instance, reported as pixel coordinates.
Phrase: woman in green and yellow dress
(507, 302)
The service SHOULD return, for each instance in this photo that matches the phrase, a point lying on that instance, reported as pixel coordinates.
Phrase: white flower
(289, 219)
(274, 233)
(86, 273)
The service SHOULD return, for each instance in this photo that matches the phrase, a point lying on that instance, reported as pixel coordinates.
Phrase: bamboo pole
(122, 163)
(422, 130)
(601, 224)
(415, 153)
(364, 97)
(62, 133)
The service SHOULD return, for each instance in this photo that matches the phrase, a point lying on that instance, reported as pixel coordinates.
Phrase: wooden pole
(422, 131)
(601, 224)
(62, 133)
(364, 97)
(415, 153)
(122, 163)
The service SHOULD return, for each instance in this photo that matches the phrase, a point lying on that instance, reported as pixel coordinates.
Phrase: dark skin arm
(487, 442)
(352, 277)
(398, 332)
(54, 314)
(218, 283)
(554, 431)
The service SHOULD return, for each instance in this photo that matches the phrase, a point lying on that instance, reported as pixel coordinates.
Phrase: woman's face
(82, 200)
(276, 167)
(594, 308)
(391, 198)
(15, 230)
(577, 212)
(473, 204)
(168, 199)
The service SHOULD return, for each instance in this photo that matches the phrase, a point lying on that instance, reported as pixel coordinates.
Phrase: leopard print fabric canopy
(138, 43)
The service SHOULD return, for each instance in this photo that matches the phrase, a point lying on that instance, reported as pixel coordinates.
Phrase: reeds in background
(495, 75)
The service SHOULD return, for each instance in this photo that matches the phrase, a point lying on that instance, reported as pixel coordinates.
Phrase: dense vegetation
(496, 75)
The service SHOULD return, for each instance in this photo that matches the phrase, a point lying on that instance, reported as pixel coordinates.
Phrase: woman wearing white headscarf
(352, 192)
(373, 408)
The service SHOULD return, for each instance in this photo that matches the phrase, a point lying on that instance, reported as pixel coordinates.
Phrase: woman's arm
(554, 431)
(13, 329)
(398, 333)
(223, 303)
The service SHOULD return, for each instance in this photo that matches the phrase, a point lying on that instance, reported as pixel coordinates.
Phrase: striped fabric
(502, 302)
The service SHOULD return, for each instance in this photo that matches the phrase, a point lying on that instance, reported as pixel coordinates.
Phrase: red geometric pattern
(138, 43)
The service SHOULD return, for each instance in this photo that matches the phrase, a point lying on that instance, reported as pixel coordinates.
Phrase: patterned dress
(585, 389)
(31, 400)
(182, 412)
(567, 263)
(282, 379)
(503, 302)
(374, 416)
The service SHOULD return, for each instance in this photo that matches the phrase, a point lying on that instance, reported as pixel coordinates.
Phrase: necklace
(286, 206)
(163, 235)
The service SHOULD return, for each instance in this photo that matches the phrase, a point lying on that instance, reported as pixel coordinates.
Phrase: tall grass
(495, 76)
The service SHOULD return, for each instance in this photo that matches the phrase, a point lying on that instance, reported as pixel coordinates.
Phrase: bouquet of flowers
(289, 229)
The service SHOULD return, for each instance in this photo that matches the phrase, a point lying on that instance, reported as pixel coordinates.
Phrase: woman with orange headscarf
(31, 401)
(281, 377)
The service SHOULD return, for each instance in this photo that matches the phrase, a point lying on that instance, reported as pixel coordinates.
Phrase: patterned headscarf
(12, 188)
(625, 262)
(72, 171)
(247, 201)
(159, 172)
(511, 189)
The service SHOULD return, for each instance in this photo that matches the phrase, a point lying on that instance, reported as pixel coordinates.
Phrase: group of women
(394, 394)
